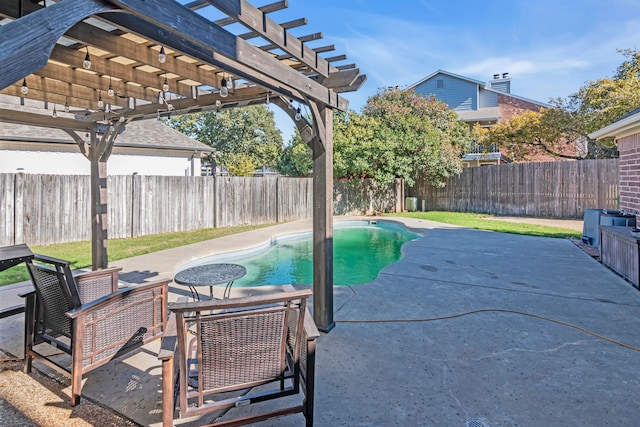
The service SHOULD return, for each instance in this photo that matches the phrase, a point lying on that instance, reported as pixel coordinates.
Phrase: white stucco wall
(171, 163)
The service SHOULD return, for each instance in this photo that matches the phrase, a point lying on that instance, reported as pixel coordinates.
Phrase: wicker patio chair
(87, 317)
(237, 352)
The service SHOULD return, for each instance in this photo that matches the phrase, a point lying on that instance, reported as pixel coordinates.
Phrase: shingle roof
(155, 134)
(151, 134)
(457, 76)
(489, 113)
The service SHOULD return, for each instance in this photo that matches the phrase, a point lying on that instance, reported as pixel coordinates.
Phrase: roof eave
(620, 129)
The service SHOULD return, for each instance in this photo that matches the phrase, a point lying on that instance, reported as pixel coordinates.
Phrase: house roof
(522, 98)
(482, 114)
(481, 84)
(485, 157)
(628, 124)
(457, 76)
(151, 134)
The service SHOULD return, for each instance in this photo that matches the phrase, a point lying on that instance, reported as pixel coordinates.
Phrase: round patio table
(210, 275)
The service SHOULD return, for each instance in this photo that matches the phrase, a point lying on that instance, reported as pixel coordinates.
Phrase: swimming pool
(360, 250)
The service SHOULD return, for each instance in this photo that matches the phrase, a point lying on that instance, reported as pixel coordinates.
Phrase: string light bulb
(298, 114)
(162, 57)
(66, 104)
(218, 103)
(55, 113)
(110, 91)
(224, 92)
(165, 85)
(86, 64)
(100, 101)
(24, 89)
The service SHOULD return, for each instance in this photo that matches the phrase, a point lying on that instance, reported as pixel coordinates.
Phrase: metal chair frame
(88, 317)
(237, 352)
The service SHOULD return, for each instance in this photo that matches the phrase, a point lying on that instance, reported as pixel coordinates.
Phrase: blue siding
(488, 99)
(503, 86)
(458, 94)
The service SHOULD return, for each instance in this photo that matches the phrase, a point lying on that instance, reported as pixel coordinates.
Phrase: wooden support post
(320, 140)
(99, 241)
(323, 221)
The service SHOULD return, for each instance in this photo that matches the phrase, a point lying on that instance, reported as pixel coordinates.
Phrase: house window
(439, 83)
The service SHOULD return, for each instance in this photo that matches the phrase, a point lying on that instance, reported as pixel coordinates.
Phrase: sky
(550, 48)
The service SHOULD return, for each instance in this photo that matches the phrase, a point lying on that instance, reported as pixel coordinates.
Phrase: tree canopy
(400, 134)
(295, 159)
(243, 138)
(562, 130)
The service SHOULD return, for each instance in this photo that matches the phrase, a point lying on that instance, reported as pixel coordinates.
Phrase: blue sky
(550, 47)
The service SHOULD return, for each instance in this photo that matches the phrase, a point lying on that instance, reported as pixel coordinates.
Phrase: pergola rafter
(44, 47)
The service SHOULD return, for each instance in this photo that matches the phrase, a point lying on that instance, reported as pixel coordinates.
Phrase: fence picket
(46, 209)
(554, 189)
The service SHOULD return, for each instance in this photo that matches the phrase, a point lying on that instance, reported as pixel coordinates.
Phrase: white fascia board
(620, 129)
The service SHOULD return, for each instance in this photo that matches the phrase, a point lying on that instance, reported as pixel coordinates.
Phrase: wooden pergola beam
(307, 38)
(34, 119)
(38, 34)
(267, 79)
(189, 28)
(259, 22)
(144, 55)
(285, 25)
(122, 74)
(245, 96)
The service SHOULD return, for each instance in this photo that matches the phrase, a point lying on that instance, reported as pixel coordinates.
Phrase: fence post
(399, 196)
(215, 200)
(133, 204)
(18, 208)
(277, 198)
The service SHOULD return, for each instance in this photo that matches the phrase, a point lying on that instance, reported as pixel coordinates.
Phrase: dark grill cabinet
(619, 251)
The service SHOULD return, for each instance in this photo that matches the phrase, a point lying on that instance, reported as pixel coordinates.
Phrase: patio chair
(236, 352)
(87, 317)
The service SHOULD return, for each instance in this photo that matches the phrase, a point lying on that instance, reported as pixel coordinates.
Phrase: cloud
(550, 48)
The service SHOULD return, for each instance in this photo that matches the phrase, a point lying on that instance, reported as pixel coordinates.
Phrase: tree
(296, 158)
(569, 122)
(531, 133)
(400, 134)
(604, 101)
(243, 138)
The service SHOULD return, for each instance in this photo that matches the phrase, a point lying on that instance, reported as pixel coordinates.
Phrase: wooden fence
(554, 189)
(48, 209)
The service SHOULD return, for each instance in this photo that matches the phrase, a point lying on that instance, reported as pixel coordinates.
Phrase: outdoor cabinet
(619, 251)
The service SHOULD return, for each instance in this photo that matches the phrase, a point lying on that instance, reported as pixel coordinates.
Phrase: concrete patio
(435, 360)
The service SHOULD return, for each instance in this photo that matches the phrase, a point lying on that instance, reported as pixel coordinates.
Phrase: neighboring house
(478, 103)
(626, 133)
(146, 147)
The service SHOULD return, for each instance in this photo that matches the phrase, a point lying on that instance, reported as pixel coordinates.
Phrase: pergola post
(99, 223)
(323, 221)
(319, 138)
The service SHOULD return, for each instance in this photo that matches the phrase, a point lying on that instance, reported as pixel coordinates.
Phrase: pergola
(108, 62)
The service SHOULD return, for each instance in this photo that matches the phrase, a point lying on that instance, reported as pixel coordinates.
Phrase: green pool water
(360, 252)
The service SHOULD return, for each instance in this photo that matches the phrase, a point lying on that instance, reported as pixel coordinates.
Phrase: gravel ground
(36, 400)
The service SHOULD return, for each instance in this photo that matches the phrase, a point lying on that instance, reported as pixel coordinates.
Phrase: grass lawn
(482, 222)
(79, 253)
